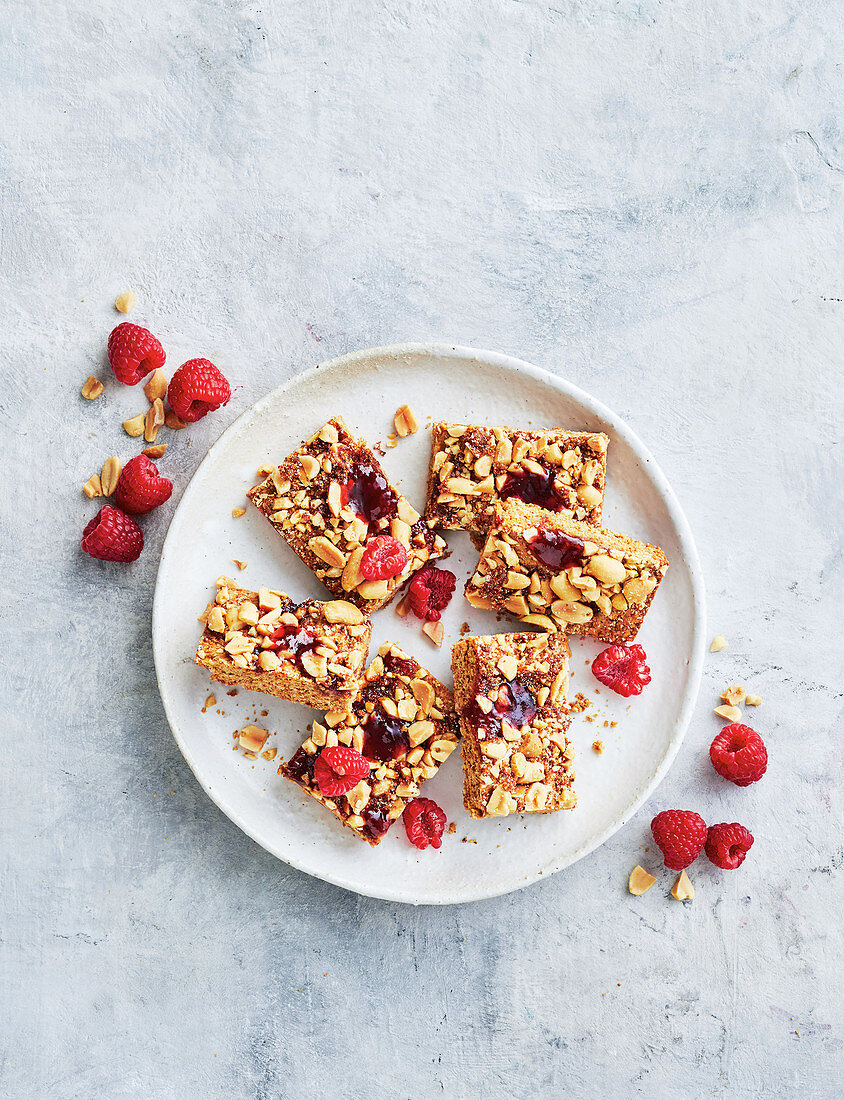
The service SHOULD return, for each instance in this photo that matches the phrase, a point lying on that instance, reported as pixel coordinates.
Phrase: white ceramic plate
(439, 382)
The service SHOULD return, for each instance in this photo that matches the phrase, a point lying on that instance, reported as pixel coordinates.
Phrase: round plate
(482, 858)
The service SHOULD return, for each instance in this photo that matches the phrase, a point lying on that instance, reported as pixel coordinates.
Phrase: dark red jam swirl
(534, 488)
(300, 767)
(401, 666)
(515, 704)
(375, 820)
(384, 737)
(368, 494)
(292, 642)
(555, 549)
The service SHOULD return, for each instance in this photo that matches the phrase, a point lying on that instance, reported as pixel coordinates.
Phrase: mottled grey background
(644, 197)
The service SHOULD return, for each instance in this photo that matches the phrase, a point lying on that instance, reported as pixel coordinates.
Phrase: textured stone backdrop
(643, 197)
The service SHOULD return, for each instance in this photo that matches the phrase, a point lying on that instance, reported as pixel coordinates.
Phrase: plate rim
(675, 511)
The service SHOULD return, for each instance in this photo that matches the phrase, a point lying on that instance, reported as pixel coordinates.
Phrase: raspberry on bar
(331, 500)
(403, 723)
(510, 693)
(559, 574)
(310, 653)
(473, 468)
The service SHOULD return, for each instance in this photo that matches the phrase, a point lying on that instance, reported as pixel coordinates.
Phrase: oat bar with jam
(473, 468)
(559, 574)
(310, 653)
(510, 692)
(403, 722)
(329, 499)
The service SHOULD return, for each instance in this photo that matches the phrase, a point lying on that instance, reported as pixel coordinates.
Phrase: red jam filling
(384, 737)
(555, 549)
(516, 704)
(401, 666)
(534, 488)
(300, 766)
(368, 494)
(375, 821)
(291, 642)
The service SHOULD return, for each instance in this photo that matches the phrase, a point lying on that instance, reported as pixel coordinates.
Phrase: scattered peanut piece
(92, 387)
(155, 452)
(435, 632)
(452, 828)
(403, 606)
(730, 714)
(125, 303)
(157, 386)
(211, 701)
(682, 889)
(154, 419)
(238, 512)
(719, 642)
(252, 738)
(110, 475)
(405, 422)
(598, 746)
(93, 487)
(266, 468)
(753, 700)
(239, 564)
(734, 695)
(640, 880)
(134, 426)
(173, 421)
(269, 754)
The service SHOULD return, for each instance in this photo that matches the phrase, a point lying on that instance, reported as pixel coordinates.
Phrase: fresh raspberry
(383, 557)
(140, 487)
(338, 769)
(727, 845)
(197, 388)
(622, 669)
(739, 754)
(133, 352)
(424, 823)
(113, 536)
(430, 591)
(680, 836)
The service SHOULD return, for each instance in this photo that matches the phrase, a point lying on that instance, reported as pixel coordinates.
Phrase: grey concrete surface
(643, 197)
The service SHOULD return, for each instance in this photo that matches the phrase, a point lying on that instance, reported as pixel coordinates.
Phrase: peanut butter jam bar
(510, 693)
(403, 722)
(559, 574)
(473, 468)
(310, 653)
(329, 499)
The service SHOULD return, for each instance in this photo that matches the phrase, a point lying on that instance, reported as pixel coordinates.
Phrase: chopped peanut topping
(125, 303)
(92, 388)
(682, 889)
(733, 695)
(640, 880)
(405, 422)
(731, 714)
(156, 388)
(93, 487)
(110, 475)
(135, 425)
(252, 738)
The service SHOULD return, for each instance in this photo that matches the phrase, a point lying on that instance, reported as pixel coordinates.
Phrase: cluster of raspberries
(738, 753)
(196, 389)
(338, 769)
